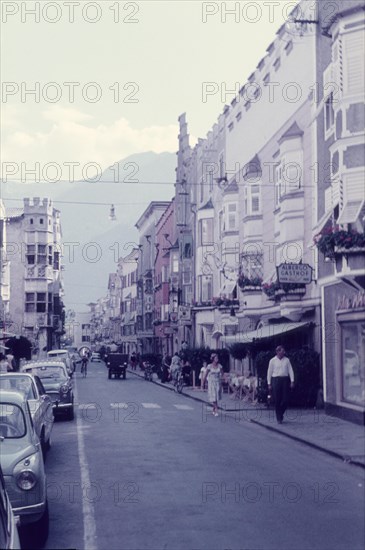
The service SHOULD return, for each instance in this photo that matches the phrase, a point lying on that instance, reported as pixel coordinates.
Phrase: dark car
(117, 365)
(56, 382)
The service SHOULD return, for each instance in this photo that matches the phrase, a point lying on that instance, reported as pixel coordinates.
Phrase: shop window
(353, 360)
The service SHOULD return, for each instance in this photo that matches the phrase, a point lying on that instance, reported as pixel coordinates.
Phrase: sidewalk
(312, 427)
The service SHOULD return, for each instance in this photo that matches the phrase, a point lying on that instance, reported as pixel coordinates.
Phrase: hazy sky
(159, 62)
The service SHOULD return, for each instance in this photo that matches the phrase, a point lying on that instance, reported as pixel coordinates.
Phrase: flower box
(333, 241)
(252, 288)
(353, 250)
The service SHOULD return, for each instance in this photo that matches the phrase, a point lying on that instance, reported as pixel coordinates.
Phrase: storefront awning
(267, 331)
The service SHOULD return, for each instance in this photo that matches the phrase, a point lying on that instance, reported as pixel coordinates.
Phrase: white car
(40, 403)
(22, 464)
(62, 355)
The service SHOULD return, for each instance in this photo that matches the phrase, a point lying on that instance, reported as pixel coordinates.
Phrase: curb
(334, 454)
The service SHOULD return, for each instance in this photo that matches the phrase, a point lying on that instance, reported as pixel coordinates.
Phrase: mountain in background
(97, 242)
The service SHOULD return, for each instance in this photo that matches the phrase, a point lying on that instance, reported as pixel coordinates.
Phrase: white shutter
(354, 185)
(352, 197)
(353, 54)
(337, 69)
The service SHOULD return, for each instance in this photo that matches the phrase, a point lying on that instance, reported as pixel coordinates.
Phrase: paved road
(145, 468)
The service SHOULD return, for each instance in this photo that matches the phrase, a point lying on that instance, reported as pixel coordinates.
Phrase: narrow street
(141, 467)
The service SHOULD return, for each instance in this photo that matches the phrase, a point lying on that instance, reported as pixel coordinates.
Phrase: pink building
(163, 319)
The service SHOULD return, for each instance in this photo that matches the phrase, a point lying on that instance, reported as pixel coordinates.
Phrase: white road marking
(150, 406)
(184, 407)
(87, 406)
(88, 511)
(119, 405)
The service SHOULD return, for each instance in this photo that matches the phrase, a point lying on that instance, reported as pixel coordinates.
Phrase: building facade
(34, 252)
(146, 226)
(339, 228)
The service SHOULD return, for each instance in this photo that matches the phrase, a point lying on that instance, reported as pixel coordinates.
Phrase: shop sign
(353, 302)
(294, 273)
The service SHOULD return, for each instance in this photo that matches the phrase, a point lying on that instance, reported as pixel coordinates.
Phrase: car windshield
(50, 372)
(56, 353)
(12, 421)
(18, 383)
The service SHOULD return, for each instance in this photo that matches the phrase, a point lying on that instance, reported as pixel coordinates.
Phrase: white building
(34, 254)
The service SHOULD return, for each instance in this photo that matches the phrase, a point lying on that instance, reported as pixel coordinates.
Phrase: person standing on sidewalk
(214, 373)
(280, 379)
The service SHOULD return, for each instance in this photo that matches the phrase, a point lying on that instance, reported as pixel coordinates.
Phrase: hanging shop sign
(294, 273)
(357, 301)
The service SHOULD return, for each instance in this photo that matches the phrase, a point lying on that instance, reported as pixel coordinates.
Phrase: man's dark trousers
(280, 387)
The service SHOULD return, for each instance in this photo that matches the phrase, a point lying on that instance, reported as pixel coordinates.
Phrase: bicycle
(148, 371)
(178, 381)
(84, 368)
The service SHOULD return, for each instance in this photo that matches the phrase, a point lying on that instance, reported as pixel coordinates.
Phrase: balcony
(332, 242)
(284, 291)
(223, 303)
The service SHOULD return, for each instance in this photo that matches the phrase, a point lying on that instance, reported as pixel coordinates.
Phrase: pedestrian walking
(280, 379)
(202, 375)
(214, 374)
(175, 366)
(4, 365)
(133, 361)
(165, 369)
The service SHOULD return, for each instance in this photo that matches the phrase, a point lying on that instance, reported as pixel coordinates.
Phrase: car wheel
(124, 375)
(71, 413)
(43, 446)
(109, 374)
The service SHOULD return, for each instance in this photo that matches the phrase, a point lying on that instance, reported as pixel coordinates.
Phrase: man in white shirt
(280, 378)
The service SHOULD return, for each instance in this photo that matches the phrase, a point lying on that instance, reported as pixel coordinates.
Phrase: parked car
(40, 403)
(9, 537)
(22, 463)
(95, 356)
(117, 365)
(62, 355)
(56, 382)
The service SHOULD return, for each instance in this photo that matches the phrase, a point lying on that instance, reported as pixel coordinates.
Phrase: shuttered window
(353, 46)
(351, 197)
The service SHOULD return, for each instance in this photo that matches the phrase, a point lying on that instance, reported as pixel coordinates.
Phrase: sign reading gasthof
(294, 273)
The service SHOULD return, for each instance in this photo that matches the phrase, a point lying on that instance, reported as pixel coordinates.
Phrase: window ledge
(252, 217)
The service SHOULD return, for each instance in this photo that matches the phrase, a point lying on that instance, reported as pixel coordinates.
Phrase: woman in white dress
(214, 373)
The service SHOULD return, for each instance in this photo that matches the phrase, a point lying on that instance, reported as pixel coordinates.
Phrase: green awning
(262, 333)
